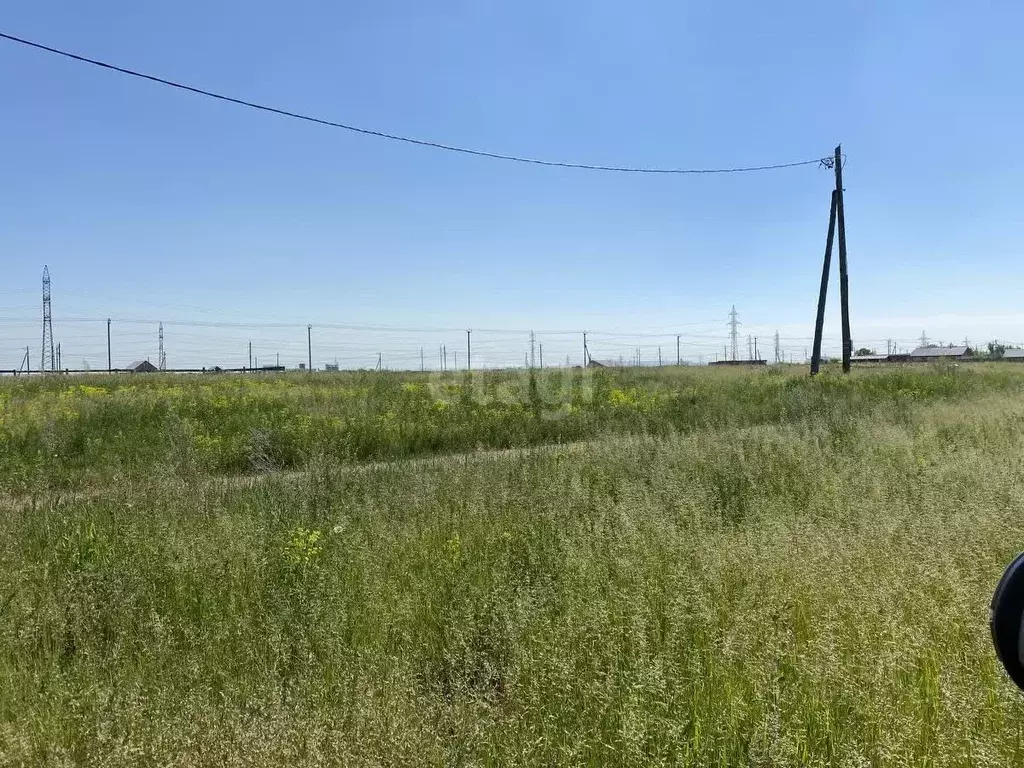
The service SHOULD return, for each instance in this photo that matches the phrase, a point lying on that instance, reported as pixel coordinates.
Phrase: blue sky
(151, 204)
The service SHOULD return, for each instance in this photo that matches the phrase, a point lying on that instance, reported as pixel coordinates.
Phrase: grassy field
(641, 567)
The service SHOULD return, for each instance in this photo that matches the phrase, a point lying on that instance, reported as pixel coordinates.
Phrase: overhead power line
(395, 137)
(509, 333)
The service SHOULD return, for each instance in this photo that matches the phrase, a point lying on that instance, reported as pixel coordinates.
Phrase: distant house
(1013, 355)
(869, 359)
(928, 354)
(142, 366)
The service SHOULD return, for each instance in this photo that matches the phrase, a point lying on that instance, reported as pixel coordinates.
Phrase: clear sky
(151, 204)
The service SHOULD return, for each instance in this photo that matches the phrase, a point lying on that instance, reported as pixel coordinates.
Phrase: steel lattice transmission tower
(734, 337)
(47, 360)
(161, 355)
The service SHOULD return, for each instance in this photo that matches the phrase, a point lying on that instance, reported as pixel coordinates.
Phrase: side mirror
(1007, 620)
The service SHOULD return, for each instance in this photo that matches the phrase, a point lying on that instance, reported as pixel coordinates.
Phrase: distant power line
(395, 137)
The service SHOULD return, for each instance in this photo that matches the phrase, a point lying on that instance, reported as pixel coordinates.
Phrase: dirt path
(226, 482)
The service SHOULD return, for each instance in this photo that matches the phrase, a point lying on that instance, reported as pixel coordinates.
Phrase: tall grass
(802, 581)
(74, 431)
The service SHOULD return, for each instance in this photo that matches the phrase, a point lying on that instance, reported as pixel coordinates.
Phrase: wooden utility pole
(542, 354)
(469, 351)
(110, 367)
(819, 321)
(678, 359)
(585, 349)
(659, 357)
(309, 347)
(844, 285)
(836, 214)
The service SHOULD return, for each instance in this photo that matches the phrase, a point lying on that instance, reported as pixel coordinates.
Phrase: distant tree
(864, 351)
(995, 349)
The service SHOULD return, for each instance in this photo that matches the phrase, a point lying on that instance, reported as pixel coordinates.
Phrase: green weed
(734, 568)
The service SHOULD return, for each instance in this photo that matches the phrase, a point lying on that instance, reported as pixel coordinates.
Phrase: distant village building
(1013, 355)
(930, 354)
(142, 366)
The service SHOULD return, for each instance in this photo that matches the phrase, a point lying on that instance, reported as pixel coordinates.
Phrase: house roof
(940, 352)
(869, 358)
(145, 364)
(1013, 353)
